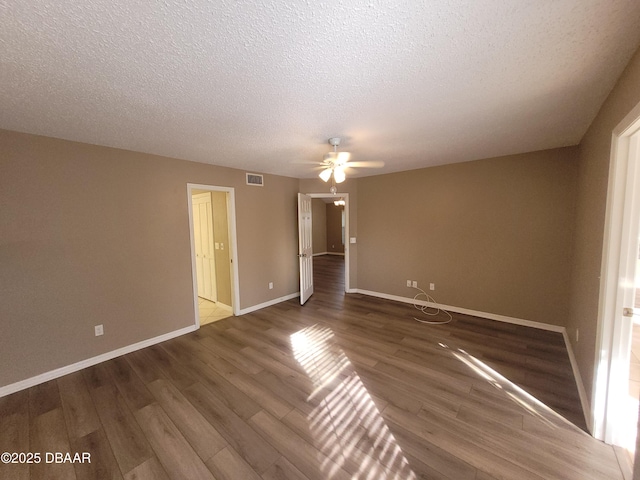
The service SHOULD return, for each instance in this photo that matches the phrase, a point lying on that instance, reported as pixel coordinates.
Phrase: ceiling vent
(255, 179)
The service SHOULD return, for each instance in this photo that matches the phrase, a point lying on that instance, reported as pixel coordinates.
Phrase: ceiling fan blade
(372, 164)
(307, 163)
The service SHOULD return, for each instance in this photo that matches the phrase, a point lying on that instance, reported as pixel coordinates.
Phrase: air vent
(255, 179)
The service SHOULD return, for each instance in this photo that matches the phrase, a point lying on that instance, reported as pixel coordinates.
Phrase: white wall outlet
(414, 284)
(217, 246)
(99, 329)
(432, 286)
(270, 285)
(408, 283)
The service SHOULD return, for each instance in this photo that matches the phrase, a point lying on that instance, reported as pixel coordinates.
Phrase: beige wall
(110, 245)
(334, 228)
(319, 225)
(593, 173)
(494, 235)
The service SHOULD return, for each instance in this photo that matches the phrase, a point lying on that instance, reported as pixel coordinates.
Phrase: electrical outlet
(432, 286)
(270, 285)
(99, 329)
(408, 283)
(414, 284)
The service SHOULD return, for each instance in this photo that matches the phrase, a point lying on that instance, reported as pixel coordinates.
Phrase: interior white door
(204, 243)
(197, 240)
(608, 417)
(620, 430)
(305, 247)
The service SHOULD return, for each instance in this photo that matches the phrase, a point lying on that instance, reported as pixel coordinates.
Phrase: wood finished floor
(344, 387)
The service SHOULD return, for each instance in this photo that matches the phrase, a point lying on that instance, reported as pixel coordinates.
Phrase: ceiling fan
(334, 164)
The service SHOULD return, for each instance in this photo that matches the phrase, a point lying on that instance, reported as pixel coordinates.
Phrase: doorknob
(627, 312)
(302, 255)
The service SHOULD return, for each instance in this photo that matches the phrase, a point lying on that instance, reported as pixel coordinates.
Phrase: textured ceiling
(262, 84)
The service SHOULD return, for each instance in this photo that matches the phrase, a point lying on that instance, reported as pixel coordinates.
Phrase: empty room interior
(297, 240)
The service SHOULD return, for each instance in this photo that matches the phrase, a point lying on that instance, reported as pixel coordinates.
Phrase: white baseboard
(584, 399)
(62, 371)
(328, 253)
(465, 311)
(253, 308)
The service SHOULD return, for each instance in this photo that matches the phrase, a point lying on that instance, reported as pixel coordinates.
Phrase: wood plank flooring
(347, 386)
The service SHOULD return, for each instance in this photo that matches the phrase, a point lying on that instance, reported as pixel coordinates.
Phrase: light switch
(352, 240)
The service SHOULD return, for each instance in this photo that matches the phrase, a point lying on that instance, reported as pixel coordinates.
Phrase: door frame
(347, 249)
(620, 253)
(233, 245)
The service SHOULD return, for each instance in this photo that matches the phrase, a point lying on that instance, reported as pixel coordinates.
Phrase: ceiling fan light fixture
(339, 175)
(325, 175)
(342, 158)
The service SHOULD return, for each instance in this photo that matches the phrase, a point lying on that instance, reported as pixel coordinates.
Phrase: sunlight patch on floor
(346, 423)
(512, 391)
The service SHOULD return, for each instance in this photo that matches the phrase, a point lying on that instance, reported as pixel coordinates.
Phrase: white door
(205, 256)
(611, 414)
(197, 239)
(305, 247)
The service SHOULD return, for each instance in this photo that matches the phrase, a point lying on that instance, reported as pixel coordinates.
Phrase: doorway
(344, 230)
(611, 403)
(213, 252)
